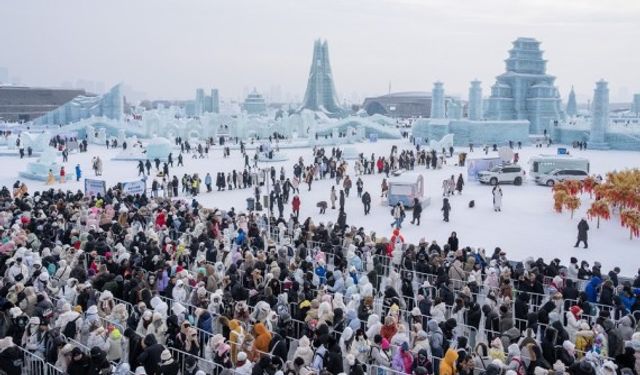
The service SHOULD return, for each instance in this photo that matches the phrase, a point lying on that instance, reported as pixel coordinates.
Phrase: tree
(630, 218)
(589, 184)
(558, 200)
(572, 203)
(599, 209)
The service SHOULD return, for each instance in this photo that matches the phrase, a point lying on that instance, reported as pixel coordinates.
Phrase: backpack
(71, 329)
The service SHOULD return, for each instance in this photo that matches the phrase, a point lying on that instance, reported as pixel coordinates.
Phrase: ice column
(437, 101)
(572, 107)
(475, 101)
(600, 116)
(636, 104)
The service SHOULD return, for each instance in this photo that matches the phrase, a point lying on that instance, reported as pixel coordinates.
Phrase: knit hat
(385, 344)
(416, 312)
(242, 356)
(559, 367)
(166, 357)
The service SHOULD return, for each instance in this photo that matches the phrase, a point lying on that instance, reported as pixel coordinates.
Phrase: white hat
(242, 356)
(34, 321)
(166, 357)
(140, 371)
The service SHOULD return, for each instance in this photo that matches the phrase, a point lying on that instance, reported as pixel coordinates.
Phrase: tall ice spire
(321, 92)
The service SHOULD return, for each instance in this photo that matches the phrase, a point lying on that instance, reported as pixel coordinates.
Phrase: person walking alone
(417, 211)
(78, 172)
(295, 205)
(583, 228)
(359, 187)
(497, 198)
(366, 202)
(459, 184)
(446, 208)
(333, 197)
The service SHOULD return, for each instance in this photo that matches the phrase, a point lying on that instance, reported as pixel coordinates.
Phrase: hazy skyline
(169, 48)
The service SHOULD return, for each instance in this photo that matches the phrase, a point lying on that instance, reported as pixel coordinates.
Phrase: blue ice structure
(466, 131)
(321, 93)
(39, 170)
(600, 117)
(475, 101)
(525, 91)
(158, 148)
(109, 105)
(437, 101)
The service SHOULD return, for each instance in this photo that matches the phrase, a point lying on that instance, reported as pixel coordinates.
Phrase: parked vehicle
(544, 164)
(559, 175)
(505, 174)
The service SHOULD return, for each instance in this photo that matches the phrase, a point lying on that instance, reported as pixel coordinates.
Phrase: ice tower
(475, 101)
(437, 101)
(572, 106)
(525, 91)
(599, 116)
(321, 92)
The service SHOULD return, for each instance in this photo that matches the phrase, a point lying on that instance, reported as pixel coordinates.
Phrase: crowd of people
(159, 284)
(121, 284)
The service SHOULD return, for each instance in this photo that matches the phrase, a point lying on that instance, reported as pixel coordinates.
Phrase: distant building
(254, 103)
(401, 104)
(28, 103)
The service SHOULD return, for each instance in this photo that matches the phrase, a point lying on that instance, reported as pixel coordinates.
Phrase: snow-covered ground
(527, 225)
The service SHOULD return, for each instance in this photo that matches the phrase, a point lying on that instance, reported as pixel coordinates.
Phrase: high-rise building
(215, 101)
(199, 103)
(572, 106)
(636, 104)
(321, 92)
(525, 91)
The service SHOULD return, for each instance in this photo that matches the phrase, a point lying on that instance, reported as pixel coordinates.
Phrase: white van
(543, 164)
(559, 175)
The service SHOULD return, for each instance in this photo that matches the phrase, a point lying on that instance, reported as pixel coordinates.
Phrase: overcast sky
(168, 48)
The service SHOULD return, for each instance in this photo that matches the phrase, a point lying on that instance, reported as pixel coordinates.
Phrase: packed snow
(527, 226)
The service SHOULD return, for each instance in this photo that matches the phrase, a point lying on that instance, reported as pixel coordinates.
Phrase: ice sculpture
(39, 170)
(321, 93)
(158, 148)
(445, 142)
(109, 105)
(600, 117)
(267, 154)
(475, 101)
(437, 101)
(525, 91)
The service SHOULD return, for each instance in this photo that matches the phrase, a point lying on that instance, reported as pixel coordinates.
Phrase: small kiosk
(405, 188)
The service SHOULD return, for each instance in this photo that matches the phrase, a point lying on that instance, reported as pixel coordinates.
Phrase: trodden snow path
(526, 227)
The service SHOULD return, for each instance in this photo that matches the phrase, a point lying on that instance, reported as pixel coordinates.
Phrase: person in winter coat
(497, 198)
(403, 360)
(366, 202)
(168, 366)
(304, 351)
(62, 175)
(447, 366)
(78, 172)
(446, 208)
(333, 197)
(295, 205)
(10, 357)
(417, 211)
(150, 358)
(583, 228)
(263, 338)
(592, 289)
(459, 184)
(79, 364)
